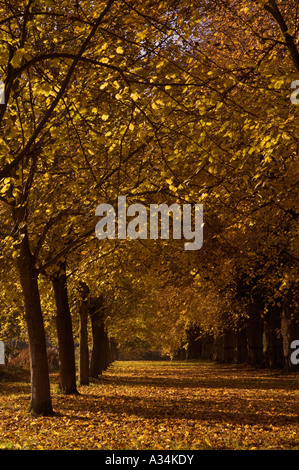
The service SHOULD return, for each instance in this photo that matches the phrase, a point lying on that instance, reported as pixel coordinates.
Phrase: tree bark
(113, 353)
(207, 346)
(272, 7)
(98, 346)
(83, 336)
(194, 348)
(240, 346)
(100, 343)
(228, 346)
(67, 365)
(218, 347)
(106, 362)
(40, 383)
(255, 333)
(273, 346)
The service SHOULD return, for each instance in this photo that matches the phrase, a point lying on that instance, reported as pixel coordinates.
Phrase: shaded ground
(160, 405)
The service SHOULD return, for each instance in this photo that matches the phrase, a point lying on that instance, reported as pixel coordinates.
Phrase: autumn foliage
(161, 102)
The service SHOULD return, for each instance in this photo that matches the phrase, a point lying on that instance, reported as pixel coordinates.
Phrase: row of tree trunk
(263, 341)
(104, 349)
(102, 352)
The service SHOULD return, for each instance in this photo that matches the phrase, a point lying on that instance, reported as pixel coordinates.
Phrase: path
(166, 405)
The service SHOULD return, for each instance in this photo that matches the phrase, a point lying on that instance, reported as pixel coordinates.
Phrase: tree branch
(6, 170)
(272, 8)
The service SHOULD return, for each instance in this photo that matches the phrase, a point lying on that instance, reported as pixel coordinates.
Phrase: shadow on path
(217, 394)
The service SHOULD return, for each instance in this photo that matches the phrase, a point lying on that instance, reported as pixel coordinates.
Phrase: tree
(67, 365)
(39, 74)
(83, 335)
(156, 108)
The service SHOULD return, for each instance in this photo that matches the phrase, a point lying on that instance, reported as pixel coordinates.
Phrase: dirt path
(162, 405)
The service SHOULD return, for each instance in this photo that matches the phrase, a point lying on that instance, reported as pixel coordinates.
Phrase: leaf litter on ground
(159, 405)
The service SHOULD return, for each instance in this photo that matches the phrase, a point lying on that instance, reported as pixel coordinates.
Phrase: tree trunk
(106, 350)
(180, 354)
(207, 346)
(273, 346)
(228, 346)
(83, 336)
(40, 382)
(98, 349)
(194, 343)
(98, 339)
(67, 365)
(240, 349)
(114, 350)
(218, 347)
(255, 333)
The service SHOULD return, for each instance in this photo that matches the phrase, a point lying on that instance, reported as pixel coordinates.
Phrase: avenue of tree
(163, 102)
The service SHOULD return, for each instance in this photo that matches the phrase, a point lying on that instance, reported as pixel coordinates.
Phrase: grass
(158, 405)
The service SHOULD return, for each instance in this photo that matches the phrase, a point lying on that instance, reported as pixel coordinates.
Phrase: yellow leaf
(134, 96)
(17, 58)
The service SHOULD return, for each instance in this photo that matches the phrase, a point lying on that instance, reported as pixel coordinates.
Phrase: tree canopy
(161, 102)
